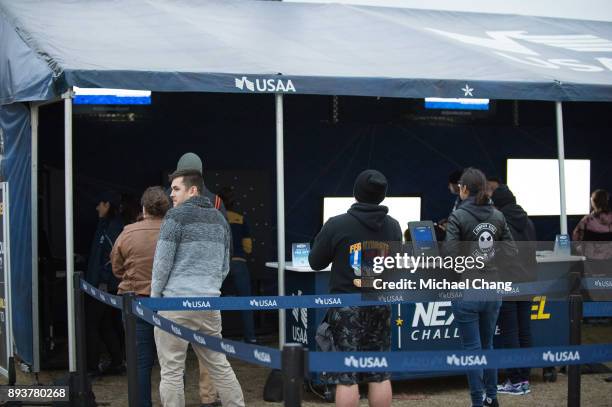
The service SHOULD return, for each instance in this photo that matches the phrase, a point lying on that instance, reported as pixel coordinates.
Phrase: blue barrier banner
(458, 360)
(115, 301)
(597, 309)
(594, 283)
(257, 303)
(259, 355)
(335, 300)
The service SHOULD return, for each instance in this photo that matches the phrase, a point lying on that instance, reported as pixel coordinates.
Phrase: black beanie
(370, 187)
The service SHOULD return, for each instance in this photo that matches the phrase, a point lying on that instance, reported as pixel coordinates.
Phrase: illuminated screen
(535, 183)
(403, 209)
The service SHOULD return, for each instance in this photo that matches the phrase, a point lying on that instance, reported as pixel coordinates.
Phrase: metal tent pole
(69, 228)
(561, 153)
(34, 219)
(280, 213)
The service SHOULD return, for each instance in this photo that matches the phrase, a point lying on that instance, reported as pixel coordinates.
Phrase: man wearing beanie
(357, 328)
(192, 162)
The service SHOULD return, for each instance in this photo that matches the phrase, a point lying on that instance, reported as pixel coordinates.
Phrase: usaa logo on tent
(264, 85)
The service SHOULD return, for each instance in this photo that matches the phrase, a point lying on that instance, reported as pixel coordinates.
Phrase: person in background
(190, 162)
(595, 229)
(476, 218)
(132, 261)
(192, 260)
(453, 181)
(492, 184)
(104, 322)
(242, 246)
(515, 316)
(357, 328)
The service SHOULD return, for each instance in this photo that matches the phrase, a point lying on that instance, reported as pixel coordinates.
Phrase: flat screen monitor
(404, 209)
(535, 183)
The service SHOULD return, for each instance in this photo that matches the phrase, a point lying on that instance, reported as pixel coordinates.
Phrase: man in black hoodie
(514, 316)
(357, 328)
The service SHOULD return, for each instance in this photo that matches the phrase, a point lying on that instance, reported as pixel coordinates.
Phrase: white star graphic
(467, 90)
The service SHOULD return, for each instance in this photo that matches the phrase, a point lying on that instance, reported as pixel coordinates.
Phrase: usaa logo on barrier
(263, 303)
(539, 308)
(156, 320)
(328, 301)
(228, 348)
(467, 360)
(365, 361)
(264, 85)
(199, 339)
(196, 304)
(113, 301)
(565, 356)
(176, 330)
(139, 310)
(262, 356)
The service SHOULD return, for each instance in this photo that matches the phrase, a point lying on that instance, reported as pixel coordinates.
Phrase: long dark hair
(600, 199)
(476, 183)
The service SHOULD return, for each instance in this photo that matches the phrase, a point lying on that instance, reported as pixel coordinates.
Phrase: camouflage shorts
(356, 329)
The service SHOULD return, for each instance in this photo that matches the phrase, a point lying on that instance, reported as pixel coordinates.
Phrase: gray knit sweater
(192, 254)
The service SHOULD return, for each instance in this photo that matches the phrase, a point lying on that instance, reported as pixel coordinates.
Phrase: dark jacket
(522, 229)
(483, 225)
(99, 268)
(520, 225)
(343, 233)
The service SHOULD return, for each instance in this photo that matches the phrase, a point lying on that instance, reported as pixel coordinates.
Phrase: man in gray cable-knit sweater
(191, 260)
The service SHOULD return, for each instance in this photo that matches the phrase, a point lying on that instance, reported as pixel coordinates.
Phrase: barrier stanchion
(131, 350)
(82, 389)
(293, 368)
(573, 380)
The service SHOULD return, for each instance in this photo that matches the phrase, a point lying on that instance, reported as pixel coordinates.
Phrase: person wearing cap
(192, 162)
(357, 328)
(104, 322)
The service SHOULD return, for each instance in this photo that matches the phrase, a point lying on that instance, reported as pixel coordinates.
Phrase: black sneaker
(489, 402)
(216, 403)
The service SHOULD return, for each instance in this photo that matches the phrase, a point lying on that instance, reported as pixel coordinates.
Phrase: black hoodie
(520, 225)
(362, 222)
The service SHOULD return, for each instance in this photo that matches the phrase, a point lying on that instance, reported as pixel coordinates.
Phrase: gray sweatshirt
(192, 253)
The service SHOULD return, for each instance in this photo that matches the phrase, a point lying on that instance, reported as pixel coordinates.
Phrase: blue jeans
(515, 326)
(476, 322)
(145, 343)
(239, 273)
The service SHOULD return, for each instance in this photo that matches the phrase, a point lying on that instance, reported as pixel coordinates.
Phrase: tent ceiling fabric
(243, 46)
